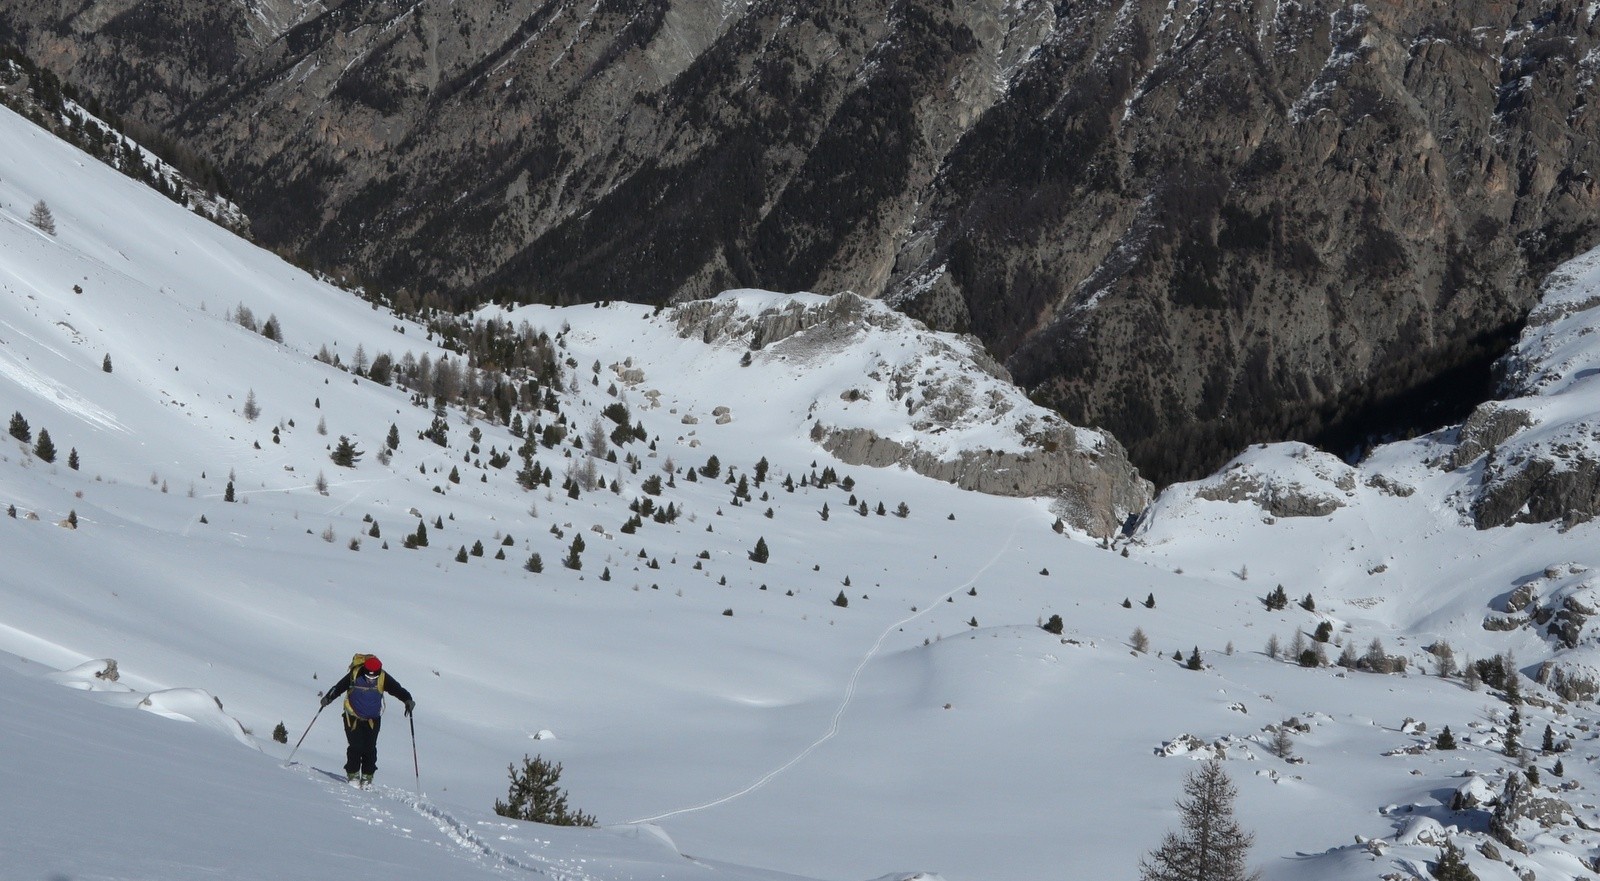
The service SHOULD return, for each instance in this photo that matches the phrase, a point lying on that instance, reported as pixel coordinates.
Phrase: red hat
(372, 664)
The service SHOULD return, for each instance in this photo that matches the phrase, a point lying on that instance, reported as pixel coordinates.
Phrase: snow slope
(700, 702)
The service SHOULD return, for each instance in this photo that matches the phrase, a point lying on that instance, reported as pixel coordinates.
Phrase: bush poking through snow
(534, 796)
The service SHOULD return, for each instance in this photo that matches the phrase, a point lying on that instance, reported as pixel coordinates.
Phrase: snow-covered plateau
(875, 699)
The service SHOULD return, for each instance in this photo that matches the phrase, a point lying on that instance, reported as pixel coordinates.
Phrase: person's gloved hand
(410, 705)
(327, 699)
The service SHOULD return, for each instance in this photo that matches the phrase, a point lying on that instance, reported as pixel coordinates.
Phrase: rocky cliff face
(1196, 223)
(938, 405)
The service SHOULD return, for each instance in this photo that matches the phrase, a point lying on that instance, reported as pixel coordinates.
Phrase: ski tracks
(850, 687)
(374, 807)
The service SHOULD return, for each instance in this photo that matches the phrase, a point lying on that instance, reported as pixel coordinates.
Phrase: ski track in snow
(61, 396)
(849, 692)
(458, 832)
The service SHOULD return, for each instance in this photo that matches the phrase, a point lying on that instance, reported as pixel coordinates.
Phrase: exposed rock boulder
(1489, 426)
(1280, 499)
(1095, 489)
(960, 419)
(1521, 807)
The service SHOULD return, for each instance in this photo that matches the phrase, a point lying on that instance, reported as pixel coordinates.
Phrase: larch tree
(42, 217)
(1212, 845)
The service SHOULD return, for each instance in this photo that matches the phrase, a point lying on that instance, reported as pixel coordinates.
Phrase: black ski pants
(361, 739)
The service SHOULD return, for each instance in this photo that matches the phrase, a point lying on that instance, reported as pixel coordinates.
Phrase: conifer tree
(1277, 599)
(1513, 685)
(105, 363)
(1445, 740)
(759, 555)
(252, 410)
(535, 796)
(345, 454)
(1282, 743)
(1452, 865)
(19, 428)
(227, 494)
(72, 458)
(45, 449)
(1212, 846)
(41, 217)
(1513, 739)
(1194, 659)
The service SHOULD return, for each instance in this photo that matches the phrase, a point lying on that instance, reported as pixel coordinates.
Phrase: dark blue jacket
(390, 686)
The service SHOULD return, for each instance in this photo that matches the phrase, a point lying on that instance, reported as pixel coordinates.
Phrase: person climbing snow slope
(364, 687)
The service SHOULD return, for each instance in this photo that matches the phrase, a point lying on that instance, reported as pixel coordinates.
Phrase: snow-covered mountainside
(871, 695)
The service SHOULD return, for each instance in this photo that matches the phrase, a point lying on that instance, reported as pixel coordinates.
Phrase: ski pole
(415, 768)
(290, 760)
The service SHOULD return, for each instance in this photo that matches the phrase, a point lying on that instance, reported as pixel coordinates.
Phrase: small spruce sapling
(1452, 865)
(1445, 740)
(535, 796)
